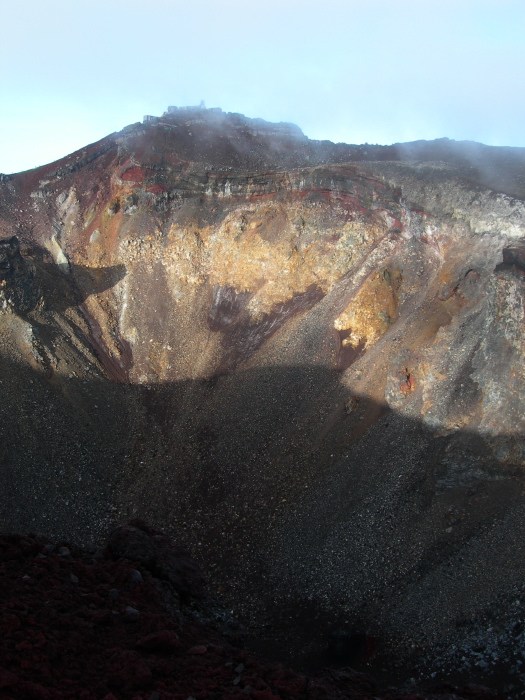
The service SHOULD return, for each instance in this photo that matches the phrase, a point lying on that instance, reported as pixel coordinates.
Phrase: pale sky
(376, 71)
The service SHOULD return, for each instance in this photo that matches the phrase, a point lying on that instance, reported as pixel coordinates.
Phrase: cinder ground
(310, 371)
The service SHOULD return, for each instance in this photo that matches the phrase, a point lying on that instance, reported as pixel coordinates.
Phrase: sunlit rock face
(305, 359)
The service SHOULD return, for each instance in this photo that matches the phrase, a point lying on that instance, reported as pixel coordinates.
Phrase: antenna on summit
(202, 105)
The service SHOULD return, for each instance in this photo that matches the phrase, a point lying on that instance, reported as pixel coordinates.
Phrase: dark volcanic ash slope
(309, 369)
(133, 622)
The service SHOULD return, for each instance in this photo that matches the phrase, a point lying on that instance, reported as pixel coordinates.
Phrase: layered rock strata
(311, 370)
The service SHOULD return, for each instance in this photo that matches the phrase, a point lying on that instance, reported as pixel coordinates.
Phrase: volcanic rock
(156, 552)
(60, 641)
(19, 289)
(301, 360)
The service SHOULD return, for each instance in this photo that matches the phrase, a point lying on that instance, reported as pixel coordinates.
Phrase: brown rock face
(305, 359)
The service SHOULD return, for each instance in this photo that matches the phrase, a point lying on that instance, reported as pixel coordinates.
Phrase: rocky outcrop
(19, 290)
(304, 358)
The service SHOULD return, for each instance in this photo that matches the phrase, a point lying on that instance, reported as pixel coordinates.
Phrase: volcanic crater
(301, 360)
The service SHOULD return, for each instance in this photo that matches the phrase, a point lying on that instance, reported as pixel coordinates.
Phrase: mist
(354, 71)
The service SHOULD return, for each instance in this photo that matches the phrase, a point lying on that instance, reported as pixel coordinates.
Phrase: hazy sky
(376, 71)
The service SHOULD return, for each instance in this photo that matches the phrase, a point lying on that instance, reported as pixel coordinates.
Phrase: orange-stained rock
(304, 358)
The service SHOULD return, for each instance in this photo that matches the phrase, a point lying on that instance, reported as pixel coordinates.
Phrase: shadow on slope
(66, 284)
(309, 516)
(82, 281)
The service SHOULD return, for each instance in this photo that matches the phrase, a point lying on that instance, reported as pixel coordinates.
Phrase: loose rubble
(303, 360)
(65, 632)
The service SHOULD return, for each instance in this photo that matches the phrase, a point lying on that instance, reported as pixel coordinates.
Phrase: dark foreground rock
(157, 553)
(306, 360)
(100, 626)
